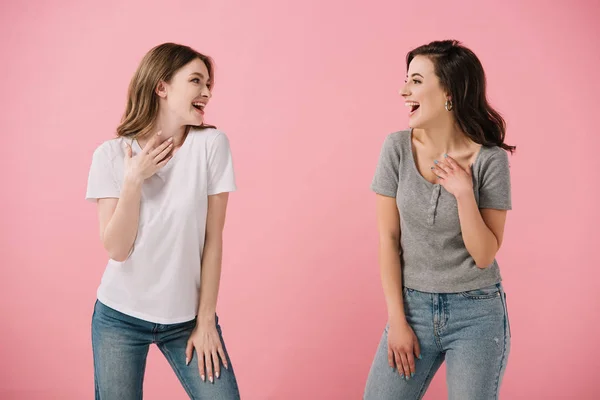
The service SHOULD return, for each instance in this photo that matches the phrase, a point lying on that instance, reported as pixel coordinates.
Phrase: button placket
(433, 202)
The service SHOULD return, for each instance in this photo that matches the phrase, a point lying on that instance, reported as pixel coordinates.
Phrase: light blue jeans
(121, 343)
(468, 330)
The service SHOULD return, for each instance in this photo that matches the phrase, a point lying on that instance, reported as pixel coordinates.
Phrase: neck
(168, 128)
(444, 139)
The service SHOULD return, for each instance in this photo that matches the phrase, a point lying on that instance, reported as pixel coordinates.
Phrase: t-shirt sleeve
(385, 181)
(494, 189)
(221, 176)
(101, 178)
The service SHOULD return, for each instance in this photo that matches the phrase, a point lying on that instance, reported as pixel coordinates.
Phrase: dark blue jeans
(121, 343)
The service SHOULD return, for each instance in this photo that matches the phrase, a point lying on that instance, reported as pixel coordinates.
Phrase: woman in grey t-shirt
(443, 191)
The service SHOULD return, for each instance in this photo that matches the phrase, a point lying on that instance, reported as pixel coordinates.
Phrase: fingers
(127, 149)
(150, 145)
(411, 364)
(453, 164)
(417, 349)
(216, 363)
(164, 162)
(444, 166)
(391, 361)
(200, 355)
(223, 357)
(405, 365)
(440, 173)
(398, 363)
(209, 369)
(189, 349)
(167, 144)
(162, 154)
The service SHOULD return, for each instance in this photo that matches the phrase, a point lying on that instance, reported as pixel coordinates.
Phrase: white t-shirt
(160, 280)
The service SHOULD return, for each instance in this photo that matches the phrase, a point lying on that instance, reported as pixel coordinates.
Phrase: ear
(161, 89)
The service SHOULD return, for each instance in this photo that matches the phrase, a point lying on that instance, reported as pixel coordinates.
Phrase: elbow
(484, 262)
(118, 255)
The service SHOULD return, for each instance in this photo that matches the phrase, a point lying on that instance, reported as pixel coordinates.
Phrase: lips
(414, 106)
(199, 106)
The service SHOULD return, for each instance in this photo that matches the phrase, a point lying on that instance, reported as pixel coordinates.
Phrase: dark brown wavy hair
(462, 77)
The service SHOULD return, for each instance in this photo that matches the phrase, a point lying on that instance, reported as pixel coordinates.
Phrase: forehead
(421, 65)
(196, 66)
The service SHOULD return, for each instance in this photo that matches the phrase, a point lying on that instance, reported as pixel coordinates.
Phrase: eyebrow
(415, 74)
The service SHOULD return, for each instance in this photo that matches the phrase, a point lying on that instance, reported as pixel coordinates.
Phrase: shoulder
(492, 156)
(110, 149)
(398, 138)
(396, 142)
(209, 136)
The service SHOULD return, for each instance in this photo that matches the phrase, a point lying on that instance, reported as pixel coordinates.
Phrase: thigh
(478, 350)
(120, 345)
(173, 342)
(384, 382)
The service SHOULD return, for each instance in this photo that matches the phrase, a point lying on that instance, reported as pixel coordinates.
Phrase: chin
(414, 124)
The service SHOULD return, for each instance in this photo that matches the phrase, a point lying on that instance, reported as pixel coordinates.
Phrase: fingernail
(445, 155)
(432, 168)
(226, 366)
(203, 378)
(210, 379)
(407, 377)
(187, 361)
(217, 375)
(412, 374)
(170, 139)
(401, 375)
(420, 357)
(435, 161)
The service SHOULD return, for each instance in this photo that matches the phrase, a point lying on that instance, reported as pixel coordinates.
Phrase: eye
(416, 81)
(196, 80)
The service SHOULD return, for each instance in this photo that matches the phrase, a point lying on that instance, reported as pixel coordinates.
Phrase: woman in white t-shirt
(162, 188)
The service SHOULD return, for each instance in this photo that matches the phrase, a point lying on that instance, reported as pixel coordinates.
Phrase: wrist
(206, 319)
(397, 317)
(465, 195)
(133, 181)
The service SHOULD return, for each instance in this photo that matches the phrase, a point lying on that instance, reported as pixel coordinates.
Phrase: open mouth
(413, 105)
(199, 107)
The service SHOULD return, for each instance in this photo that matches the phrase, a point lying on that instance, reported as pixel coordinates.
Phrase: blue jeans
(120, 344)
(468, 330)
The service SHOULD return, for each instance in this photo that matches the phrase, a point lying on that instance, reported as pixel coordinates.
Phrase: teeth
(411, 103)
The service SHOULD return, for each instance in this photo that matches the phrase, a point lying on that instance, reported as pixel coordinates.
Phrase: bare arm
(388, 222)
(119, 220)
(211, 259)
(482, 230)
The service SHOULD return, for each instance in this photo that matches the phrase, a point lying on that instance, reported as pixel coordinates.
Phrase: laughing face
(187, 93)
(424, 96)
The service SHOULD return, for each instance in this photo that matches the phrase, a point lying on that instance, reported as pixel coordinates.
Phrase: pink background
(306, 92)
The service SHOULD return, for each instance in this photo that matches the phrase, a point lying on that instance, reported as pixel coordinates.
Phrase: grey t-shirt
(433, 254)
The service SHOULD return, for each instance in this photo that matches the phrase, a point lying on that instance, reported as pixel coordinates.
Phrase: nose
(404, 92)
(206, 93)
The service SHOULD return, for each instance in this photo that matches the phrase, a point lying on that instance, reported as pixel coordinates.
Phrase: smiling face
(187, 93)
(424, 95)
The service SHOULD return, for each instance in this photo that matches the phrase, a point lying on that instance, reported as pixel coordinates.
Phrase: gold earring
(448, 106)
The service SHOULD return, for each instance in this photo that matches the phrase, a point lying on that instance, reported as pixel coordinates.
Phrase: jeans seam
(503, 357)
(176, 368)
(422, 390)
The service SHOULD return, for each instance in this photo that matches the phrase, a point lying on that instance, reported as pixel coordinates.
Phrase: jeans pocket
(489, 292)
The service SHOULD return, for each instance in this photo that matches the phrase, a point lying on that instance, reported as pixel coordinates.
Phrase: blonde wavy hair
(159, 64)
